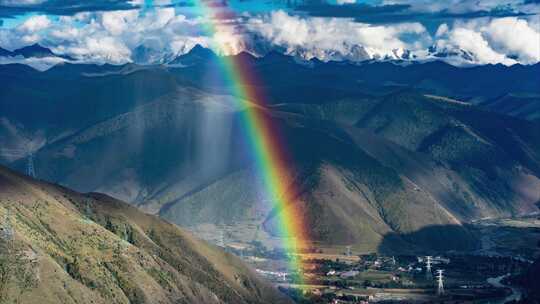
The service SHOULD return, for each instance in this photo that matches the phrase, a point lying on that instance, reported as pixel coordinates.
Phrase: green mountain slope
(95, 249)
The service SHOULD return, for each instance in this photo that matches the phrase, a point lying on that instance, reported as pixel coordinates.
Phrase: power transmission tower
(221, 241)
(15, 154)
(87, 209)
(429, 275)
(30, 171)
(440, 285)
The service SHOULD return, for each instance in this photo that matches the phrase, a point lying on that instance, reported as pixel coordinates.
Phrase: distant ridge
(34, 50)
(4, 52)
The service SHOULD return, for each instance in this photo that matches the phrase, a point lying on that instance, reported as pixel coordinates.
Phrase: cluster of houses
(273, 275)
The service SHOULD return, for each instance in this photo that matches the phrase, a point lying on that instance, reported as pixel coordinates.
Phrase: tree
(16, 270)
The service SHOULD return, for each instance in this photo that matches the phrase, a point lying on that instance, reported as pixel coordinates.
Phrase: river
(497, 282)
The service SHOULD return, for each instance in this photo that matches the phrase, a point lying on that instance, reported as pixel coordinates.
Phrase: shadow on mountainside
(435, 238)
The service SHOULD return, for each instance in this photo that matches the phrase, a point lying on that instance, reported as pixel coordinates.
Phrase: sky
(462, 32)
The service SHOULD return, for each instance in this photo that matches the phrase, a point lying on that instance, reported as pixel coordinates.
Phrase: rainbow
(269, 153)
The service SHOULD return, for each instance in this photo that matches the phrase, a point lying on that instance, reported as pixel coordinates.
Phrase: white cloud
(116, 22)
(475, 44)
(515, 37)
(324, 37)
(34, 24)
(442, 30)
(101, 49)
(507, 40)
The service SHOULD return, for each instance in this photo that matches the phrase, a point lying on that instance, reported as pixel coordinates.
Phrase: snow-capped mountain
(43, 58)
(354, 53)
(148, 55)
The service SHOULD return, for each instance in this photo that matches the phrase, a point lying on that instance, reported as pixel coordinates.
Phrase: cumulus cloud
(473, 44)
(116, 22)
(28, 32)
(320, 37)
(506, 40)
(515, 37)
(35, 23)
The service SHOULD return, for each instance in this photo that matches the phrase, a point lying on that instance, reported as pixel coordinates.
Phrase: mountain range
(350, 54)
(377, 149)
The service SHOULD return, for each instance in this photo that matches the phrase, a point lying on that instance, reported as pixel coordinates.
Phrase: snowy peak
(197, 54)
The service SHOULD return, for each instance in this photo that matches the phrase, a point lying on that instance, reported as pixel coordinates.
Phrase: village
(373, 278)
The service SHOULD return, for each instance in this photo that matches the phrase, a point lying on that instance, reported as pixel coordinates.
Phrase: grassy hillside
(95, 249)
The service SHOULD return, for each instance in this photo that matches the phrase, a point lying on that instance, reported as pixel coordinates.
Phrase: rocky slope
(91, 248)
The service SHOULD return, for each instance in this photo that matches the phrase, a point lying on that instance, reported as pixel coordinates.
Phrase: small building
(349, 274)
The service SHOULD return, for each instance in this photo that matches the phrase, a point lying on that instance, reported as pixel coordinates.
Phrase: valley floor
(508, 246)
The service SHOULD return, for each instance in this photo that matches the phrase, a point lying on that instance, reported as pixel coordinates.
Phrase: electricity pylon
(440, 285)
(15, 154)
(429, 275)
(30, 171)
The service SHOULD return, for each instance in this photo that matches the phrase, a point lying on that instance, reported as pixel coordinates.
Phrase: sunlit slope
(475, 162)
(497, 157)
(94, 249)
